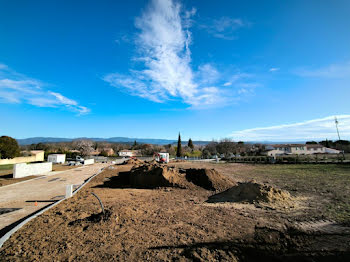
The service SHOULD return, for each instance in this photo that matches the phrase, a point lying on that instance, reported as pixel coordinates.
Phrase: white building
(128, 153)
(56, 158)
(298, 149)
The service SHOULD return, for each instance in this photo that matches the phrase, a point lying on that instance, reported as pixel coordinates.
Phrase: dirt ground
(324, 187)
(8, 180)
(169, 223)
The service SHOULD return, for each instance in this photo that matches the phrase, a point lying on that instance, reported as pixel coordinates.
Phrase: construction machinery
(161, 157)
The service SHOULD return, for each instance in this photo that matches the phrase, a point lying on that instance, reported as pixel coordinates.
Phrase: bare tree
(85, 147)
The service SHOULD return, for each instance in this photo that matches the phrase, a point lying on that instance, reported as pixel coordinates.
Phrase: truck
(76, 160)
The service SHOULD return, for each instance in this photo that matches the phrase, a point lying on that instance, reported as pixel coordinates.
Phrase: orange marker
(36, 204)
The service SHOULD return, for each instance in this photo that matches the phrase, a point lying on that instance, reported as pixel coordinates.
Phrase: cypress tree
(190, 144)
(179, 148)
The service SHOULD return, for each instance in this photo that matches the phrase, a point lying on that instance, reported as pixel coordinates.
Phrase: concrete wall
(23, 169)
(56, 158)
(89, 161)
(35, 157)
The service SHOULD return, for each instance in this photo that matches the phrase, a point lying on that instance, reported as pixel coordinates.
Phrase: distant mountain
(36, 140)
(128, 140)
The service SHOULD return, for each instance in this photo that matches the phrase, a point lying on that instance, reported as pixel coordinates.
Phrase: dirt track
(170, 224)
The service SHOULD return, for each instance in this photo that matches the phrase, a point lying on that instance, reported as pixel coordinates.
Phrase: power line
(336, 125)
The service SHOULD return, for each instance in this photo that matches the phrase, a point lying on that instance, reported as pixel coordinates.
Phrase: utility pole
(336, 125)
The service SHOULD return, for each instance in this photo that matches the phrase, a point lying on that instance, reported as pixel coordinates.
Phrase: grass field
(326, 185)
(329, 184)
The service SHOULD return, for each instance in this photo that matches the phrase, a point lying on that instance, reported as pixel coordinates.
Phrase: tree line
(9, 148)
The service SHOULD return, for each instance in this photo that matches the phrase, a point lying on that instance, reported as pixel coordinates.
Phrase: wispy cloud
(242, 84)
(274, 69)
(341, 70)
(224, 27)
(317, 129)
(17, 88)
(163, 51)
(123, 38)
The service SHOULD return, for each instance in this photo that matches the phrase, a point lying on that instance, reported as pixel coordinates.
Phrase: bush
(194, 153)
(8, 147)
(103, 153)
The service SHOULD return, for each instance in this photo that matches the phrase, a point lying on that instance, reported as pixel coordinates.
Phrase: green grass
(6, 167)
(327, 183)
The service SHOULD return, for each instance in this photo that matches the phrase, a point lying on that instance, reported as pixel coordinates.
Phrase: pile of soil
(151, 162)
(209, 179)
(133, 161)
(252, 192)
(154, 175)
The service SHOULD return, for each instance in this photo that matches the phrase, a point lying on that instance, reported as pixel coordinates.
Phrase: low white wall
(89, 161)
(23, 169)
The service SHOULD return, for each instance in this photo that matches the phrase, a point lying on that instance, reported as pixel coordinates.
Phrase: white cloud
(163, 45)
(207, 74)
(317, 129)
(224, 27)
(163, 51)
(274, 69)
(17, 88)
(331, 71)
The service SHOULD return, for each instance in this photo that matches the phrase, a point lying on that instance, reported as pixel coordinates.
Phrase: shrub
(8, 147)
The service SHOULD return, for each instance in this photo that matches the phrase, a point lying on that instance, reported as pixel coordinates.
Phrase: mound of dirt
(150, 176)
(151, 162)
(252, 193)
(153, 175)
(133, 161)
(209, 179)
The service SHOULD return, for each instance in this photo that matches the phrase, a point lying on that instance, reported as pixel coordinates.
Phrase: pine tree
(179, 149)
(190, 144)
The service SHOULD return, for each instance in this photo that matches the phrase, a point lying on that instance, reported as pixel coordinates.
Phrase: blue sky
(249, 70)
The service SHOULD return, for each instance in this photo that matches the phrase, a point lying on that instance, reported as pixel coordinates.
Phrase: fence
(292, 159)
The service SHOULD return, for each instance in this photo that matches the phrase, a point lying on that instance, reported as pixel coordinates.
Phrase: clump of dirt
(252, 192)
(209, 179)
(151, 162)
(94, 218)
(133, 161)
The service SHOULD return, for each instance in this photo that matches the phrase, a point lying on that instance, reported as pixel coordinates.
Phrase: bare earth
(166, 224)
(43, 190)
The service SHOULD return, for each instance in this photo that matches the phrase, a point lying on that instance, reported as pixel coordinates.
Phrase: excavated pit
(209, 179)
